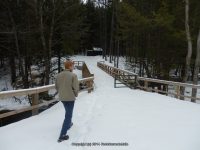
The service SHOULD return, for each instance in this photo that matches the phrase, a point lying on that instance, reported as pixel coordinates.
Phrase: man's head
(69, 65)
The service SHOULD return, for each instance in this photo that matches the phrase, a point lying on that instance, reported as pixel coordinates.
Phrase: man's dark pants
(69, 106)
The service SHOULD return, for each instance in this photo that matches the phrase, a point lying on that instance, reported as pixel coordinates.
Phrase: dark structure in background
(95, 52)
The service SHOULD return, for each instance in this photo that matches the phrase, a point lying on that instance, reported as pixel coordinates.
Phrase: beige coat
(67, 85)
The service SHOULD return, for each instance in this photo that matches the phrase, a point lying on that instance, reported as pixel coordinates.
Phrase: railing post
(1, 122)
(90, 86)
(146, 85)
(35, 101)
(115, 81)
(136, 82)
(112, 72)
(156, 89)
(178, 91)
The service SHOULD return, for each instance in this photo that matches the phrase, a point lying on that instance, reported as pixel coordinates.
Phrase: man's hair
(68, 64)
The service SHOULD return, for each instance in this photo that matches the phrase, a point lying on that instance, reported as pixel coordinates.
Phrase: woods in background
(153, 35)
(32, 32)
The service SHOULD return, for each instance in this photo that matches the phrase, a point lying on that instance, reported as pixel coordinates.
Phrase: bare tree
(15, 33)
(196, 67)
(46, 43)
(189, 51)
(105, 31)
(111, 31)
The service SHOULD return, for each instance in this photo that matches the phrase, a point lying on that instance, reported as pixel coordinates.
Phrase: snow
(14, 104)
(35, 73)
(146, 121)
(78, 73)
(5, 85)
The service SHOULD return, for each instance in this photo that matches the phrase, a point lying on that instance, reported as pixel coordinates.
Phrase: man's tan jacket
(67, 85)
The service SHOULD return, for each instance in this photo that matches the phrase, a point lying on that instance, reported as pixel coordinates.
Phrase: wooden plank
(11, 93)
(35, 101)
(178, 88)
(125, 71)
(86, 79)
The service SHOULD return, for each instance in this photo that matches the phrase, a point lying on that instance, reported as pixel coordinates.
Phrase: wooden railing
(78, 63)
(125, 77)
(163, 87)
(152, 85)
(34, 94)
(85, 73)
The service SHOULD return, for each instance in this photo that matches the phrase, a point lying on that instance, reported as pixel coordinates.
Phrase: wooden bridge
(124, 77)
(132, 80)
(86, 84)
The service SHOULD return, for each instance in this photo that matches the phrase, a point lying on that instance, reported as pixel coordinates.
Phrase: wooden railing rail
(168, 82)
(78, 63)
(145, 83)
(37, 90)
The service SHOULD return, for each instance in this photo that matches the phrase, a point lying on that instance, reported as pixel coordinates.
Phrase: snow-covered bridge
(146, 121)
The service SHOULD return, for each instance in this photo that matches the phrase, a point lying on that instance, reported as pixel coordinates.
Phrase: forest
(156, 36)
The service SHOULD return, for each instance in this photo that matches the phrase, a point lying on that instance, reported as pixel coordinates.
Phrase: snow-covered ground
(146, 121)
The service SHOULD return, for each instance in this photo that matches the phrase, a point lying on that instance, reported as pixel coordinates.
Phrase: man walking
(67, 86)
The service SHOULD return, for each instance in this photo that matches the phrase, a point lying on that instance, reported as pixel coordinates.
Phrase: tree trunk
(146, 68)
(21, 68)
(48, 60)
(189, 51)
(42, 36)
(26, 75)
(1, 62)
(59, 60)
(118, 48)
(196, 68)
(48, 57)
(12, 68)
(111, 31)
(105, 32)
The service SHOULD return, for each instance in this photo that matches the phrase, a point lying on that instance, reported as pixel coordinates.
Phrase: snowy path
(146, 121)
